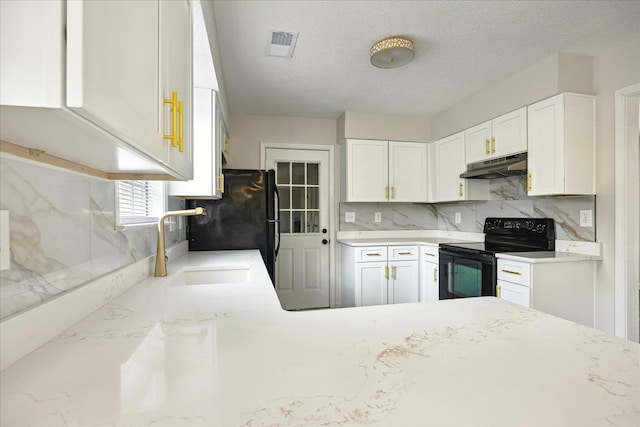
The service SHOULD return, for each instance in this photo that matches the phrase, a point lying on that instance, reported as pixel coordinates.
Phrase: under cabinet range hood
(500, 167)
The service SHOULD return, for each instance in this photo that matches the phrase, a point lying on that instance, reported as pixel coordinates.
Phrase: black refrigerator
(246, 217)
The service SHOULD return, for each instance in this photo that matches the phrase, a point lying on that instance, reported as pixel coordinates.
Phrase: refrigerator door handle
(277, 220)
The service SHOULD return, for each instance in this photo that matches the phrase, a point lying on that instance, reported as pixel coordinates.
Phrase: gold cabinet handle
(393, 192)
(405, 253)
(181, 126)
(393, 271)
(386, 192)
(428, 254)
(435, 274)
(460, 186)
(173, 102)
(498, 291)
(226, 145)
(373, 254)
(528, 182)
(221, 180)
(386, 272)
(486, 146)
(517, 273)
(493, 145)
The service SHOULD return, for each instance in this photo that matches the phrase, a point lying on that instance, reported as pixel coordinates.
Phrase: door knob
(325, 241)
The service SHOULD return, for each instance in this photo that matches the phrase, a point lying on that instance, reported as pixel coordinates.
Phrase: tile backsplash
(508, 198)
(62, 231)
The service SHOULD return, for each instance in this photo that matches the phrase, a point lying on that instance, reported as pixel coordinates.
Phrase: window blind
(140, 202)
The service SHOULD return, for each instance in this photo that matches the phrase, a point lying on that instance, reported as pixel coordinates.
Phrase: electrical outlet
(377, 217)
(349, 217)
(586, 218)
(5, 258)
(458, 218)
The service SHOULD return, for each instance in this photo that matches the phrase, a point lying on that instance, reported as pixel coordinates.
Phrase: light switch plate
(377, 217)
(5, 250)
(349, 217)
(458, 218)
(586, 218)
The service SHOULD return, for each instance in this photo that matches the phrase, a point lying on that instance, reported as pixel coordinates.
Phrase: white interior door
(302, 265)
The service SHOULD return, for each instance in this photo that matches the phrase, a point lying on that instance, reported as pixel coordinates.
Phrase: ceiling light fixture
(392, 52)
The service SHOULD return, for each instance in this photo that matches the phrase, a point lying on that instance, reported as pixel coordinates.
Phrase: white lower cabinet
(429, 285)
(379, 275)
(564, 289)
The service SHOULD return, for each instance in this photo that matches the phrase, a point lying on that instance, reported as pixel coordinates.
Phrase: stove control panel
(520, 227)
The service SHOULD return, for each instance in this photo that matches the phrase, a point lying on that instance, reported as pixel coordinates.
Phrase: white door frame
(333, 226)
(625, 292)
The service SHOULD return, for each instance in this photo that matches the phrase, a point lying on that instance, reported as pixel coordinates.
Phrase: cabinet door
(367, 174)
(203, 184)
(177, 76)
(403, 282)
(450, 164)
(112, 70)
(545, 161)
(517, 294)
(407, 172)
(371, 283)
(477, 142)
(509, 133)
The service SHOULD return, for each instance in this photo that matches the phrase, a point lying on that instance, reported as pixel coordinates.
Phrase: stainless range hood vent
(497, 168)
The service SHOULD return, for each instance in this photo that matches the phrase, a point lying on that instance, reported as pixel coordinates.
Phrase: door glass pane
(284, 222)
(313, 222)
(282, 172)
(285, 202)
(313, 198)
(312, 174)
(297, 220)
(297, 197)
(297, 173)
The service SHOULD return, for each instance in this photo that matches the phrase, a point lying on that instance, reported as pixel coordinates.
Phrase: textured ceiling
(461, 48)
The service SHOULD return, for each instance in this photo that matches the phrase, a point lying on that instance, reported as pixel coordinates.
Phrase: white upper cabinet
(92, 74)
(384, 171)
(500, 137)
(561, 146)
(176, 60)
(209, 134)
(449, 164)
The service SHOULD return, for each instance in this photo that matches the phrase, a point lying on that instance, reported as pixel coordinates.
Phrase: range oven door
(465, 273)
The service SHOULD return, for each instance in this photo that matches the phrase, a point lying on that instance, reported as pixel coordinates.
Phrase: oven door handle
(450, 277)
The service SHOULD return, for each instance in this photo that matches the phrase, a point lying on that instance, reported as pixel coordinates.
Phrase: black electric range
(469, 269)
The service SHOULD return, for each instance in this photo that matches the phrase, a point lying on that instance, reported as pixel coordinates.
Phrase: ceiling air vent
(282, 43)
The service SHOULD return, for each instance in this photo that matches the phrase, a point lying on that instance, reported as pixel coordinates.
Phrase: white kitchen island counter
(166, 353)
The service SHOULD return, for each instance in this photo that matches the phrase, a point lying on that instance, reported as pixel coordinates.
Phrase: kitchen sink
(212, 275)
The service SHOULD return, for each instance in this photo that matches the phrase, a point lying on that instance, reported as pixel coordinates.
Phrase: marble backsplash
(508, 198)
(63, 234)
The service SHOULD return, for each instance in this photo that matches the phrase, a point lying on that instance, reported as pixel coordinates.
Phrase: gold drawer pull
(405, 253)
(393, 272)
(512, 272)
(486, 146)
(493, 145)
(173, 102)
(386, 272)
(498, 291)
(428, 254)
(221, 180)
(435, 274)
(386, 192)
(460, 189)
(373, 254)
(528, 182)
(393, 192)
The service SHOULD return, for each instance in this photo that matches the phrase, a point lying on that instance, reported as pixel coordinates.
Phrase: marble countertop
(402, 241)
(548, 256)
(167, 353)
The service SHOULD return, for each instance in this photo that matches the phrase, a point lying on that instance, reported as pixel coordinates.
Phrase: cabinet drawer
(403, 253)
(514, 271)
(371, 254)
(429, 254)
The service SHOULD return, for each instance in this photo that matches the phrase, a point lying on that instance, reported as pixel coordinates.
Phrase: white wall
(557, 73)
(613, 69)
(376, 126)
